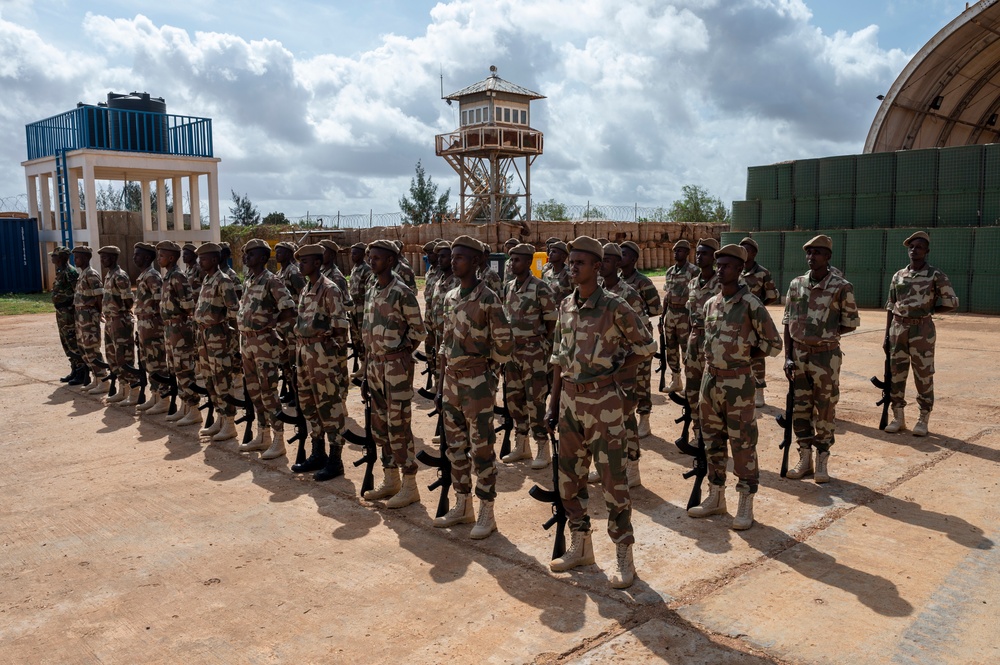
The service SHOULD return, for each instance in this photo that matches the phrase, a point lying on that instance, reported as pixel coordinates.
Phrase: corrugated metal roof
(496, 84)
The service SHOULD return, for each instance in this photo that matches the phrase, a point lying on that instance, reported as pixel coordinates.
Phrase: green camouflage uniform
(699, 291)
(234, 337)
(734, 327)
(405, 273)
(761, 283)
(177, 309)
(529, 306)
(559, 283)
(119, 324)
(913, 295)
(149, 325)
(628, 383)
(87, 299)
(321, 335)
(63, 290)
(676, 321)
(592, 340)
(430, 283)
(293, 280)
(488, 276)
(814, 314)
(361, 277)
(334, 275)
(436, 317)
(263, 341)
(475, 342)
(392, 329)
(218, 304)
(652, 308)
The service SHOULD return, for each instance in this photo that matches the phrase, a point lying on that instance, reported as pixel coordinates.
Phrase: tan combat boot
(676, 385)
(580, 553)
(227, 431)
(212, 429)
(407, 494)
(822, 475)
(486, 523)
(920, 429)
(898, 421)
(151, 401)
(192, 417)
(518, 451)
(120, 394)
(389, 487)
(101, 388)
(744, 514)
(625, 573)
(643, 430)
(759, 398)
(262, 441)
(160, 405)
(460, 513)
(182, 410)
(714, 503)
(632, 473)
(94, 382)
(131, 395)
(277, 447)
(805, 465)
(543, 456)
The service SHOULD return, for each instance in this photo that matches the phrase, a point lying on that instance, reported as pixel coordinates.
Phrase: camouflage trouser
(591, 426)
(676, 328)
(119, 343)
(759, 370)
(66, 324)
(912, 346)
(234, 346)
(320, 395)
(727, 412)
(390, 383)
(693, 369)
(817, 391)
(214, 345)
(468, 394)
(526, 383)
(630, 420)
(152, 350)
(643, 379)
(181, 356)
(262, 352)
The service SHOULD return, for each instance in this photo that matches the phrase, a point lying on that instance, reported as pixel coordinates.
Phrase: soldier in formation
(676, 321)
(88, 299)
(119, 323)
(63, 289)
(557, 276)
(177, 303)
(702, 287)
(217, 306)
(151, 347)
(652, 307)
(361, 278)
(761, 284)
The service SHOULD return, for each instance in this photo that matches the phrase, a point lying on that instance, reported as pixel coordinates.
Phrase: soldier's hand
(789, 368)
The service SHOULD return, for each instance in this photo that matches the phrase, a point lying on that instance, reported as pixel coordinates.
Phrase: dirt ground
(129, 541)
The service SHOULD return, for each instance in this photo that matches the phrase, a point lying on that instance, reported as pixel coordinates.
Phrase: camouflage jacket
(392, 318)
(594, 336)
(625, 291)
(491, 279)
(217, 301)
(264, 299)
(405, 273)
(676, 287)
(118, 296)
(64, 287)
(761, 283)
(559, 283)
(334, 275)
(322, 312)
(529, 306)
(475, 326)
(815, 312)
(915, 293)
(292, 279)
(148, 291)
(194, 276)
(361, 278)
(441, 289)
(176, 299)
(735, 326)
(89, 293)
(653, 306)
(699, 291)
(430, 279)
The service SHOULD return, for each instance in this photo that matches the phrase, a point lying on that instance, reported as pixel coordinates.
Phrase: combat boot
(131, 395)
(822, 474)
(625, 574)
(227, 431)
(632, 473)
(213, 429)
(676, 384)
(518, 451)
(99, 386)
(804, 466)
(407, 494)
(898, 421)
(644, 430)
(192, 417)
(758, 400)
(182, 410)
(580, 553)
(80, 377)
(334, 467)
(151, 401)
(68, 377)
(744, 514)
(260, 442)
(460, 513)
(120, 394)
(277, 448)
(543, 456)
(714, 503)
(920, 429)
(317, 458)
(390, 487)
(486, 523)
(161, 405)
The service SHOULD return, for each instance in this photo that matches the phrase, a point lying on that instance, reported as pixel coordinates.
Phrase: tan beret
(750, 241)
(732, 250)
(825, 242)
(387, 245)
(83, 249)
(560, 245)
(190, 247)
(399, 244)
(289, 245)
(442, 244)
(329, 244)
(224, 245)
(710, 242)
(256, 243)
(631, 246)
(523, 249)
(467, 241)
(429, 247)
(612, 249)
(587, 244)
(551, 240)
(109, 249)
(682, 244)
(919, 235)
(168, 246)
(145, 246)
(59, 251)
(359, 245)
(513, 242)
(208, 248)
(309, 250)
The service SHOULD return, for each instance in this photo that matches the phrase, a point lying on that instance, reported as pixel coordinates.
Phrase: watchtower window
(524, 117)
(479, 115)
(506, 115)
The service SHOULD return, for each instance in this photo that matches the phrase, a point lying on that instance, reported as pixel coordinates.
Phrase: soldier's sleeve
(634, 330)
(771, 293)
(186, 297)
(890, 301)
(691, 298)
(559, 348)
(500, 333)
(416, 332)
(298, 281)
(849, 315)
(229, 297)
(282, 297)
(124, 286)
(92, 287)
(339, 325)
(768, 337)
(787, 317)
(652, 297)
(944, 293)
(547, 302)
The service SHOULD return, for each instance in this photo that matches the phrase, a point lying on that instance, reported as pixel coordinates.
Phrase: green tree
(275, 219)
(424, 204)
(549, 211)
(129, 197)
(698, 207)
(243, 211)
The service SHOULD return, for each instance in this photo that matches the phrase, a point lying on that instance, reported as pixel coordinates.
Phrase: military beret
(631, 246)
(682, 244)
(919, 235)
(224, 245)
(289, 245)
(208, 248)
(398, 244)
(612, 249)
(359, 245)
(523, 249)
(750, 241)
(59, 251)
(513, 242)
(387, 245)
(551, 240)
(732, 250)
(820, 241)
(587, 244)
(109, 249)
(83, 249)
(190, 247)
(256, 243)
(710, 242)
(145, 246)
(560, 245)
(309, 250)
(442, 244)
(429, 247)
(467, 241)
(329, 244)
(169, 246)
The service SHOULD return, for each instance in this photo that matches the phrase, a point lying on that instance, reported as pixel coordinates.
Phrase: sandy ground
(129, 541)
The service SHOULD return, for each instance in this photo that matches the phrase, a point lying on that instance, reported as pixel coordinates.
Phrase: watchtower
(495, 134)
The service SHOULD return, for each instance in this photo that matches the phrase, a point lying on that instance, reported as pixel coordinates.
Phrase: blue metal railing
(115, 129)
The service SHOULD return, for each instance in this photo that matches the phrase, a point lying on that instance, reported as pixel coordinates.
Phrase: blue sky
(326, 106)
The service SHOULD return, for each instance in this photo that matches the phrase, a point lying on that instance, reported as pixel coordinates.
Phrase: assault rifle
(287, 395)
(441, 463)
(112, 377)
(142, 380)
(301, 427)
(885, 385)
(171, 383)
(683, 443)
(699, 471)
(507, 421)
(366, 441)
(428, 370)
(785, 423)
(249, 414)
(210, 414)
(661, 355)
(552, 497)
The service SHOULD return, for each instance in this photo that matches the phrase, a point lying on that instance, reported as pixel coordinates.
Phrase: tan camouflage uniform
(628, 383)
(195, 277)
(652, 308)
(334, 275)
(406, 274)
(558, 282)
(760, 282)
(321, 335)
(699, 291)
(676, 320)
(436, 317)
(488, 276)
(119, 324)
(529, 306)
(87, 299)
(361, 277)
(149, 324)
(430, 284)
(234, 338)
(63, 290)
(179, 331)
(263, 341)
(218, 304)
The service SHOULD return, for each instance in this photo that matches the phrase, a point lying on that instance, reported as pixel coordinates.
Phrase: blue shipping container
(20, 263)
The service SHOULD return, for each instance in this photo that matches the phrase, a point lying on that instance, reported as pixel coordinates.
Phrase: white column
(90, 201)
(74, 200)
(31, 186)
(178, 201)
(213, 203)
(45, 218)
(195, 202)
(147, 209)
(161, 204)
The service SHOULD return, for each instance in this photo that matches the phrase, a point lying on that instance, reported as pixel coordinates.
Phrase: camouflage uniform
(62, 298)
(293, 280)
(321, 335)
(529, 306)
(195, 277)
(234, 338)
(436, 316)
(699, 291)
(119, 324)
(406, 274)
(430, 283)
(676, 321)
(263, 341)
(149, 325)
(392, 330)
(593, 338)
(628, 384)
(653, 308)
(217, 306)
(913, 295)
(760, 282)
(334, 275)
(814, 314)
(87, 299)
(488, 276)
(558, 282)
(734, 326)
(177, 309)
(476, 340)
(361, 277)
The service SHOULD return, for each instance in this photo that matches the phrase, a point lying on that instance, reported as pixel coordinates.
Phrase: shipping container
(20, 256)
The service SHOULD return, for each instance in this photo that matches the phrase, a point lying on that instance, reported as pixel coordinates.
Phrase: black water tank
(95, 121)
(138, 132)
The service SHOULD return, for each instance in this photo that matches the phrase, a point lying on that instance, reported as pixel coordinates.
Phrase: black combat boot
(316, 460)
(68, 377)
(80, 376)
(334, 466)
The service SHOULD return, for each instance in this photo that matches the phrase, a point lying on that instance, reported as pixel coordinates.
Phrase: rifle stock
(885, 385)
(683, 442)
(367, 442)
(210, 415)
(553, 497)
(698, 471)
(249, 414)
(785, 423)
(170, 381)
(507, 422)
(662, 357)
(443, 465)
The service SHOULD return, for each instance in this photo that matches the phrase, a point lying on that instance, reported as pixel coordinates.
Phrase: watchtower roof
(494, 83)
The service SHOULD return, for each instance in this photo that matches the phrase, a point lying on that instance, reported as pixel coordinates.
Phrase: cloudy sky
(327, 105)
